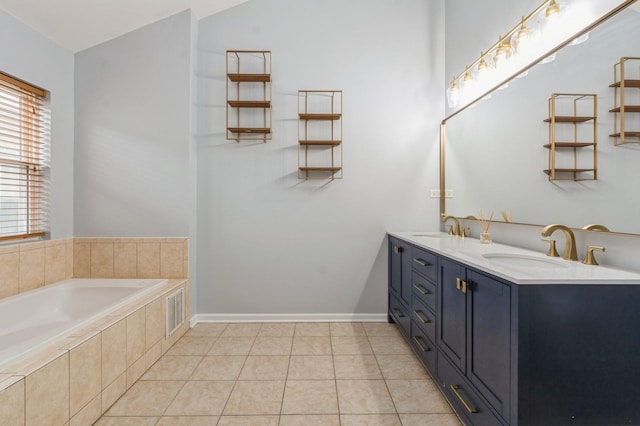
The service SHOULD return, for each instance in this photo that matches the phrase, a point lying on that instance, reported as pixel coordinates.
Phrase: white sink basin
(431, 235)
(523, 261)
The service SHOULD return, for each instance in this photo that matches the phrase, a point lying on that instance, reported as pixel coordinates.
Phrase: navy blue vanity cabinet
(528, 354)
(400, 284)
(579, 355)
(475, 339)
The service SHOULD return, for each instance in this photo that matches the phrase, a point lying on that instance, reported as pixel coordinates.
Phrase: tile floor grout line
(383, 346)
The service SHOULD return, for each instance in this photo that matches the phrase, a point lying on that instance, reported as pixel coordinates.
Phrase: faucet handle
(451, 230)
(465, 233)
(590, 259)
(552, 247)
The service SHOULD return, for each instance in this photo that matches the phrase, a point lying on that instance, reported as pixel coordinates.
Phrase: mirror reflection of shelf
(626, 101)
(580, 111)
(320, 134)
(248, 95)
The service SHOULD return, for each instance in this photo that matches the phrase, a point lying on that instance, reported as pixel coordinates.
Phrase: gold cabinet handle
(397, 250)
(418, 341)
(421, 289)
(462, 285)
(398, 312)
(421, 317)
(421, 262)
(469, 408)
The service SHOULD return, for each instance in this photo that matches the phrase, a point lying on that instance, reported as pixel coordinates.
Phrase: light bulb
(553, 10)
(453, 94)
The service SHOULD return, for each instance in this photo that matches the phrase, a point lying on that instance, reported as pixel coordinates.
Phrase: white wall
(133, 162)
(28, 55)
(269, 243)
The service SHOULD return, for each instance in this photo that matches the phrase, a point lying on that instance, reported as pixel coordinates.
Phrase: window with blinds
(24, 159)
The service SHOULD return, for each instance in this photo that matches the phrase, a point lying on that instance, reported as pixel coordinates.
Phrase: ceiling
(79, 24)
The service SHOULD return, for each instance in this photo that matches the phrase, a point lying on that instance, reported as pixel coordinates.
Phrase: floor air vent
(175, 311)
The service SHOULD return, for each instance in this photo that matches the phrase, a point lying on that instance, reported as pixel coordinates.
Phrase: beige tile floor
(285, 374)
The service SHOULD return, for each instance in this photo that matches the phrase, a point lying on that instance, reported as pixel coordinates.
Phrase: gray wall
(269, 243)
(28, 55)
(133, 161)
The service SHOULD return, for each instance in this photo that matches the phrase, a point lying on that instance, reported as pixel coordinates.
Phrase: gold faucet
(570, 243)
(595, 227)
(453, 230)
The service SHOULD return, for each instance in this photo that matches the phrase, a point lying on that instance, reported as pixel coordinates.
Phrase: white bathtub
(35, 318)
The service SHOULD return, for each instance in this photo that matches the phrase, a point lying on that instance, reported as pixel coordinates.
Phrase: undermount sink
(523, 261)
(431, 235)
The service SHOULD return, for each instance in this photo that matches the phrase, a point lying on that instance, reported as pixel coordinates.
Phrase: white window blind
(24, 159)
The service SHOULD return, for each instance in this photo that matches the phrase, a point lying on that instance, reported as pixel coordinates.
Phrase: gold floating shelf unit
(320, 134)
(626, 101)
(572, 127)
(249, 95)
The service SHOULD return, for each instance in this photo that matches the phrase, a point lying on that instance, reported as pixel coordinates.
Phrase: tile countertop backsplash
(551, 270)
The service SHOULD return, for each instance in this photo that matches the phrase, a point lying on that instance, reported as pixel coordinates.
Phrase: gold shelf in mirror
(580, 111)
(624, 79)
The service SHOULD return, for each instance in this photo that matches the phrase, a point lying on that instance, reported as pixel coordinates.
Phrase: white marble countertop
(518, 265)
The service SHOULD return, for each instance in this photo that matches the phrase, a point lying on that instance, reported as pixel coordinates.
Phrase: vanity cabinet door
(489, 339)
(452, 330)
(396, 247)
(400, 270)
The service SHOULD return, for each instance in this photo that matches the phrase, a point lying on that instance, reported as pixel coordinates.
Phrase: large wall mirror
(494, 150)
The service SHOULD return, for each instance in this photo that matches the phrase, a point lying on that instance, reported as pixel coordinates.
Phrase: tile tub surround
(27, 266)
(285, 374)
(76, 379)
(130, 258)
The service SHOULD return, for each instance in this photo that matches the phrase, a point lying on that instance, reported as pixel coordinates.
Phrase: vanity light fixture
(534, 35)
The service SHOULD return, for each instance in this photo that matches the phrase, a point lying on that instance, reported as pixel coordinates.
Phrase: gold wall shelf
(320, 134)
(626, 128)
(572, 125)
(248, 95)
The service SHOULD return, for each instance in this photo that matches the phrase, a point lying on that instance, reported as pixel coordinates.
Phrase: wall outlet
(435, 193)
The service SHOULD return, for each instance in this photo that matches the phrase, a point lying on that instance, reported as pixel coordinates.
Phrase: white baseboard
(197, 318)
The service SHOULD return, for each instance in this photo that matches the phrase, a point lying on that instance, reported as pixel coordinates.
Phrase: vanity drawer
(399, 314)
(424, 290)
(424, 263)
(424, 347)
(464, 398)
(424, 318)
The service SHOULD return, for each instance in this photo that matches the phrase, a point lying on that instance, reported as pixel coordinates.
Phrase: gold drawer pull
(461, 285)
(421, 289)
(398, 312)
(421, 262)
(421, 317)
(469, 408)
(422, 347)
(397, 250)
